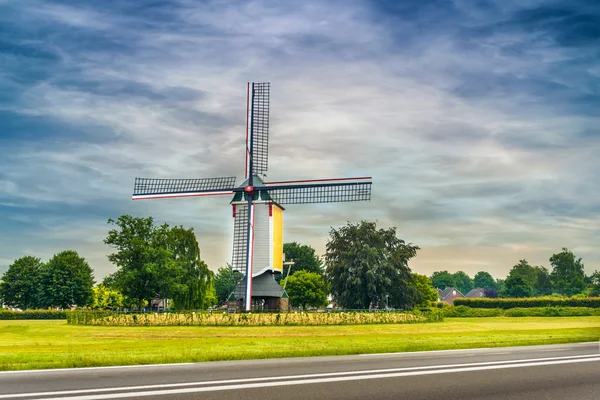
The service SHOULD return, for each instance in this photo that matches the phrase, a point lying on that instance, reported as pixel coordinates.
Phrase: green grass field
(31, 344)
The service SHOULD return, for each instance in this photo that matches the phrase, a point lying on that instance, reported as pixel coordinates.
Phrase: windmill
(257, 205)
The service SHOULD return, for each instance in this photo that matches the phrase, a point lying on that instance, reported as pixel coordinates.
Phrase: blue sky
(478, 120)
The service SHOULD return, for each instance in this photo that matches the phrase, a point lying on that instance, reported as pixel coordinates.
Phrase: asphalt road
(531, 373)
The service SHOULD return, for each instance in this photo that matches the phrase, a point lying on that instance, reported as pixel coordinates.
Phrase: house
(476, 293)
(449, 294)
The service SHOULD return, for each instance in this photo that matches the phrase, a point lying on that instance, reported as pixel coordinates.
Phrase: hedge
(250, 319)
(591, 302)
(468, 312)
(33, 314)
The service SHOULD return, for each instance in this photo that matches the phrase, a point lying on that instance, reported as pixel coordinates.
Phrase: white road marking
(332, 375)
(480, 349)
(313, 381)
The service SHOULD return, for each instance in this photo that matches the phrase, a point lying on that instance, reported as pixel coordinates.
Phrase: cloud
(475, 120)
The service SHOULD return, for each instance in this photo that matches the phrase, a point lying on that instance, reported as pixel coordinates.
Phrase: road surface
(535, 372)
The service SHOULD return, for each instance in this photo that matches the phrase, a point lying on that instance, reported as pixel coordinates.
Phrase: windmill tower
(257, 206)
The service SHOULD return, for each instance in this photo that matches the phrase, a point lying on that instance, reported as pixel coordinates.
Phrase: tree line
(565, 278)
(364, 267)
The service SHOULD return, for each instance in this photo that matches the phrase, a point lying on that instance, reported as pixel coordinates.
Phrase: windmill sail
(320, 191)
(240, 243)
(145, 188)
(259, 124)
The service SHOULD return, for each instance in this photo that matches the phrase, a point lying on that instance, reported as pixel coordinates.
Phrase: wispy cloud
(475, 120)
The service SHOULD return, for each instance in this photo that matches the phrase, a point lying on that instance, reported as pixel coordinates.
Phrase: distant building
(449, 294)
(476, 293)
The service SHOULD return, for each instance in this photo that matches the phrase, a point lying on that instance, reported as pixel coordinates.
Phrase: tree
(442, 280)
(106, 299)
(307, 289)
(66, 280)
(484, 280)
(305, 259)
(147, 269)
(19, 284)
(526, 271)
(543, 283)
(225, 282)
(426, 293)
(195, 288)
(367, 266)
(517, 286)
(491, 293)
(594, 284)
(567, 276)
(463, 282)
(158, 262)
(536, 277)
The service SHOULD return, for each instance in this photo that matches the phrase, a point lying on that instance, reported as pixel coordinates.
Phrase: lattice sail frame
(260, 128)
(154, 188)
(335, 193)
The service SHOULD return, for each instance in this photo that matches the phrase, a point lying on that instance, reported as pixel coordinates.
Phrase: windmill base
(267, 295)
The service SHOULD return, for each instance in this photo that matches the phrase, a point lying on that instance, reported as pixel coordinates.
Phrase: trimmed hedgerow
(249, 319)
(33, 314)
(591, 302)
(468, 312)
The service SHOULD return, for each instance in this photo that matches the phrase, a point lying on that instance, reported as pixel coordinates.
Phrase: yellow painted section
(277, 221)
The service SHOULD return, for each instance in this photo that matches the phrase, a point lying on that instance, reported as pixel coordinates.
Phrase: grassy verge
(30, 344)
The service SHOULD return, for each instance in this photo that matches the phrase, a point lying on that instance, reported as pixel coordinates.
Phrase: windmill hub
(249, 189)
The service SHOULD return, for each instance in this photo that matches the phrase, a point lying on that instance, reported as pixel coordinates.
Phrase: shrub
(251, 319)
(464, 311)
(468, 312)
(546, 301)
(33, 314)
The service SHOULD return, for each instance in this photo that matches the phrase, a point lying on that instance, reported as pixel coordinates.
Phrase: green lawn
(30, 344)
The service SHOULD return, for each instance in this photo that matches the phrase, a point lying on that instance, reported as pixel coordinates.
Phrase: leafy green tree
(195, 288)
(147, 269)
(307, 288)
(442, 280)
(66, 280)
(517, 286)
(305, 259)
(543, 283)
(158, 262)
(567, 276)
(366, 266)
(536, 276)
(19, 284)
(426, 293)
(594, 284)
(484, 280)
(463, 282)
(106, 299)
(225, 282)
(526, 271)
(500, 284)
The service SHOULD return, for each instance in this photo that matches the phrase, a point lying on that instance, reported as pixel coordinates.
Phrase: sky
(478, 121)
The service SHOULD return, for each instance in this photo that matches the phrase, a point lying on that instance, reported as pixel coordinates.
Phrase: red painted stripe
(158, 196)
(247, 111)
(251, 256)
(320, 180)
